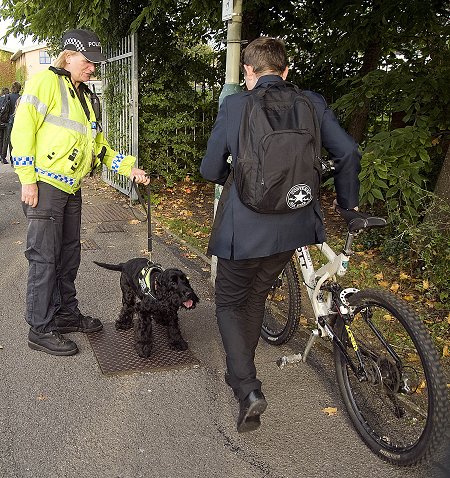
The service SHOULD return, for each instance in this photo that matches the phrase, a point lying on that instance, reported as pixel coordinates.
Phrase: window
(44, 57)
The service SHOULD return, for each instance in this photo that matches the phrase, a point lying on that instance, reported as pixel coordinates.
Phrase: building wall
(7, 70)
(30, 62)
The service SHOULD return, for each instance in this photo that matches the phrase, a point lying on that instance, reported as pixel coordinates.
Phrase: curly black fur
(172, 291)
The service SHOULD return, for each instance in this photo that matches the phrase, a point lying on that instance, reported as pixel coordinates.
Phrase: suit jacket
(240, 233)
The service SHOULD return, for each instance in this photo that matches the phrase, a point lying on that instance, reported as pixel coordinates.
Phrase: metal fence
(120, 105)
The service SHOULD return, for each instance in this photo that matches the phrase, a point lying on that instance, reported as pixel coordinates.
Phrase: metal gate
(120, 105)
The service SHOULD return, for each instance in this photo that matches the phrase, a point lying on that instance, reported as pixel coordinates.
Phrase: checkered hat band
(77, 43)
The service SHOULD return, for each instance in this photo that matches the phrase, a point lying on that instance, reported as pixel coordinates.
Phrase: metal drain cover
(88, 245)
(110, 227)
(115, 352)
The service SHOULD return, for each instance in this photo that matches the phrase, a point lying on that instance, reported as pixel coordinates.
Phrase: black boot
(51, 343)
(65, 322)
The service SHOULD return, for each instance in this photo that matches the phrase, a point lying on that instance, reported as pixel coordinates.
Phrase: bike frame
(320, 299)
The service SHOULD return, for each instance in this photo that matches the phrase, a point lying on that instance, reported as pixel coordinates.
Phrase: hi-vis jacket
(56, 138)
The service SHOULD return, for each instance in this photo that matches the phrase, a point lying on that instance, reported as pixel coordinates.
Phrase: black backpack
(278, 169)
(5, 109)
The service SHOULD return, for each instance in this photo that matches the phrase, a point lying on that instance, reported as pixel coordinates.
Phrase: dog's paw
(179, 345)
(144, 350)
(123, 325)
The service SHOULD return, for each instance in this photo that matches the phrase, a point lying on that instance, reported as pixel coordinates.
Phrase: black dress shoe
(250, 410)
(51, 342)
(66, 322)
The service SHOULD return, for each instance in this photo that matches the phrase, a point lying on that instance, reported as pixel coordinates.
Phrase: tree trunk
(440, 216)
(442, 188)
(359, 117)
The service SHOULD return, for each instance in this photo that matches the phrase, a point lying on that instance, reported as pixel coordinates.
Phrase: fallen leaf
(394, 287)
(303, 321)
(445, 352)
(330, 411)
(448, 319)
(421, 387)
(408, 298)
(41, 397)
(384, 283)
(425, 284)
(404, 276)
(134, 221)
(18, 242)
(379, 276)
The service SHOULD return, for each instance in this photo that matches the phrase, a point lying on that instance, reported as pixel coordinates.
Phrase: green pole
(231, 82)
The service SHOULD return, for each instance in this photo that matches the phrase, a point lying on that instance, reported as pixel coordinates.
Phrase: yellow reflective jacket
(56, 138)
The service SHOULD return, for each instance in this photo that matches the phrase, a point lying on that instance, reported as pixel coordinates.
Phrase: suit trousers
(241, 290)
(54, 253)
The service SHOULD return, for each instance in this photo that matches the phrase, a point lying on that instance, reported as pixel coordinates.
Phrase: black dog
(161, 292)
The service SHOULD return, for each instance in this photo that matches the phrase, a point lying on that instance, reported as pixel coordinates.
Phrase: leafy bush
(393, 170)
(423, 246)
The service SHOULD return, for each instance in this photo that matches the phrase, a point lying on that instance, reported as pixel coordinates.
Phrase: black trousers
(6, 141)
(54, 253)
(3, 140)
(241, 291)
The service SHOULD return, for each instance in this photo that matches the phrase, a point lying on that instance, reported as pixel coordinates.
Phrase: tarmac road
(61, 417)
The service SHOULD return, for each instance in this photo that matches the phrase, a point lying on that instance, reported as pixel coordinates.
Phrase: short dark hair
(16, 87)
(265, 54)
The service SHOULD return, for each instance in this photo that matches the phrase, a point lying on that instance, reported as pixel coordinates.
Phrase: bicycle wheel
(282, 313)
(401, 409)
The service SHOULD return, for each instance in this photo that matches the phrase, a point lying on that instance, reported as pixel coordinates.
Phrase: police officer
(56, 142)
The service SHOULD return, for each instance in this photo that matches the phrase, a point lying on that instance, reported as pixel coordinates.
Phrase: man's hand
(356, 208)
(30, 194)
(140, 176)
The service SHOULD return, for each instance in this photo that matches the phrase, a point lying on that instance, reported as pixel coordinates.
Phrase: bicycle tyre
(410, 423)
(282, 308)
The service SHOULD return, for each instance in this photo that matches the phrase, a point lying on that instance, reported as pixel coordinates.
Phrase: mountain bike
(387, 367)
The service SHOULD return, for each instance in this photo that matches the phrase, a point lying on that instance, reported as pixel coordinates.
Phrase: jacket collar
(63, 72)
(266, 80)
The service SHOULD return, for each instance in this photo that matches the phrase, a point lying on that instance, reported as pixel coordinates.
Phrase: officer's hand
(140, 176)
(30, 194)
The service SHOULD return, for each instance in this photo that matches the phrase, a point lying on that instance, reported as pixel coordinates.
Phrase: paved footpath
(60, 417)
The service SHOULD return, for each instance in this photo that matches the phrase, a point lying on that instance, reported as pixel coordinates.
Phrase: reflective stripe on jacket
(54, 140)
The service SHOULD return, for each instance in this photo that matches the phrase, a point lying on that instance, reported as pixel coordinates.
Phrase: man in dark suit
(253, 248)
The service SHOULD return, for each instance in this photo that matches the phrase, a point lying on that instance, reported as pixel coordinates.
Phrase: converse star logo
(299, 196)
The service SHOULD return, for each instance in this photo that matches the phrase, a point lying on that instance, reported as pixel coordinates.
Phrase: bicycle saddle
(356, 220)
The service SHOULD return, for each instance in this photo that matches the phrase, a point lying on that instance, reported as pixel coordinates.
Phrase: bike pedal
(289, 360)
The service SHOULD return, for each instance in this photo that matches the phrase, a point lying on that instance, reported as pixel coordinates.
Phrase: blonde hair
(61, 61)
